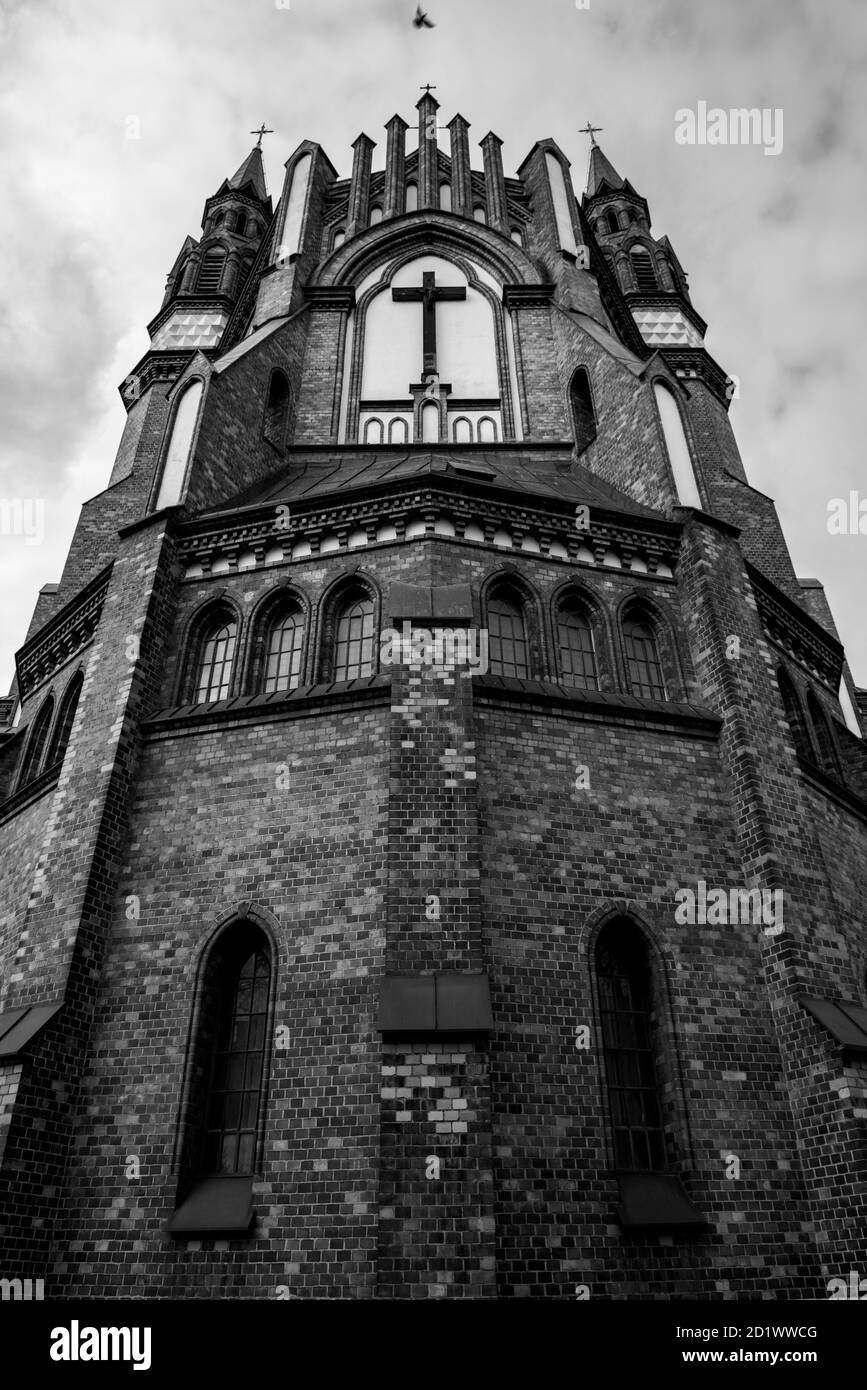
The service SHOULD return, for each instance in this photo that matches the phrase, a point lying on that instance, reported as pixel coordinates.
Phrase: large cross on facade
(429, 293)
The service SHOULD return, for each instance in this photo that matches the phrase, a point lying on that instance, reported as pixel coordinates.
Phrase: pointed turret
(601, 171)
(251, 172)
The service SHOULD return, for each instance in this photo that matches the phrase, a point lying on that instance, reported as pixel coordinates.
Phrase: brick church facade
(434, 820)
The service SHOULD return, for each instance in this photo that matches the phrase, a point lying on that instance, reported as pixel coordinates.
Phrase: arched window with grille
(581, 405)
(65, 719)
(226, 1085)
(577, 651)
(643, 663)
(508, 653)
(211, 271)
(35, 747)
(794, 715)
(354, 654)
(212, 673)
(824, 739)
(626, 1005)
(277, 411)
(643, 269)
(283, 650)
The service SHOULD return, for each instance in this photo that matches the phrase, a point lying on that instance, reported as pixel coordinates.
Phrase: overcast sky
(91, 220)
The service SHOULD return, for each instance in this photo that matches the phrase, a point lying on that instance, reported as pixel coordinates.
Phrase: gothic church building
(434, 812)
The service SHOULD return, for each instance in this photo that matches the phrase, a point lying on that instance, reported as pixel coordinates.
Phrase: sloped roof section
(601, 171)
(540, 473)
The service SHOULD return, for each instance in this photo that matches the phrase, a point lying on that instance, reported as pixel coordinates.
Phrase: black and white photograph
(433, 677)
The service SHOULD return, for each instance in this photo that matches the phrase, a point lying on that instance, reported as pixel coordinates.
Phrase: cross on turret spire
(260, 132)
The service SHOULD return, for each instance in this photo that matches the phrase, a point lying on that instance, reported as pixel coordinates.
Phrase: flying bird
(421, 20)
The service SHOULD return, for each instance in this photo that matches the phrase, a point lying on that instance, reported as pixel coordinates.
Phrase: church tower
(434, 812)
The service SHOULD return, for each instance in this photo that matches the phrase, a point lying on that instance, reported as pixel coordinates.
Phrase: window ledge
(367, 690)
(215, 1207)
(656, 1202)
(610, 705)
(832, 788)
(46, 781)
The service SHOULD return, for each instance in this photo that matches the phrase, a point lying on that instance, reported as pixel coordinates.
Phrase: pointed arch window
(507, 636)
(283, 652)
(398, 431)
(179, 445)
(642, 657)
(214, 669)
(65, 719)
(612, 223)
(353, 645)
(578, 665)
(235, 1090)
(211, 271)
(277, 411)
(487, 430)
(583, 414)
(794, 716)
(825, 745)
(677, 445)
(631, 1070)
(643, 269)
(445, 197)
(412, 197)
(36, 743)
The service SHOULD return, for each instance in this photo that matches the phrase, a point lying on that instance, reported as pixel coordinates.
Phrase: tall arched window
(283, 651)
(375, 215)
(642, 269)
(226, 1086)
(517, 236)
(827, 749)
(583, 414)
(479, 213)
(794, 716)
(338, 238)
(235, 1090)
(677, 444)
(445, 197)
(487, 430)
(507, 637)
(213, 673)
(178, 448)
(398, 431)
(30, 767)
(575, 641)
(412, 197)
(430, 423)
(642, 657)
(632, 1081)
(353, 645)
(211, 271)
(240, 223)
(611, 219)
(65, 719)
(277, 411)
